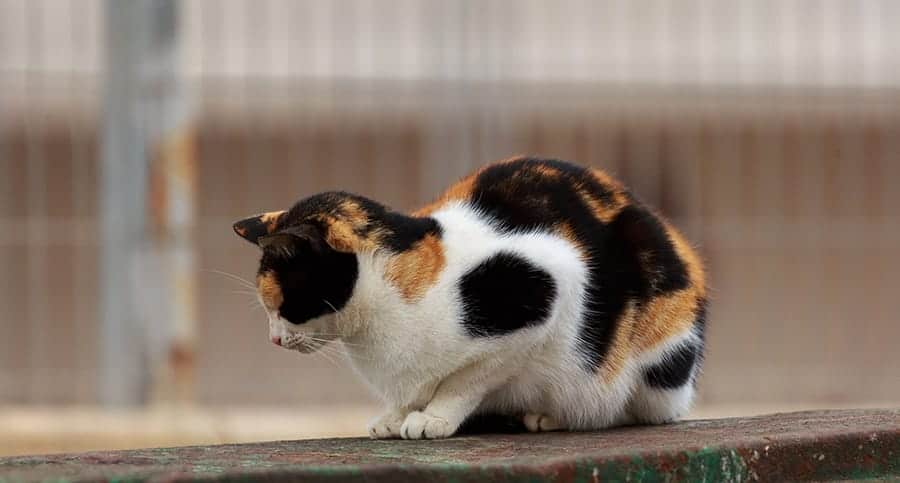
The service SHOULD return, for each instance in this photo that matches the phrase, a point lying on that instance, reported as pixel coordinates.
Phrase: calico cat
(533, 288)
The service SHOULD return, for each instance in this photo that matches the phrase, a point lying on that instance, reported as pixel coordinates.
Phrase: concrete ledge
(820, 445)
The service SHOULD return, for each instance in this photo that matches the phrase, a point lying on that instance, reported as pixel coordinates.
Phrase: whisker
(329, 348)
(332, 306)
(232, 276)
(354, 356)
(325, 356)
(354, 344)
(337, 337)
(347, 357)
(324, 342)
(358, 357)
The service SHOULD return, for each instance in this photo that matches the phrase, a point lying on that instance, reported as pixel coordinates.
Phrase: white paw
(537, 423)
(386, 426)
(419, 425)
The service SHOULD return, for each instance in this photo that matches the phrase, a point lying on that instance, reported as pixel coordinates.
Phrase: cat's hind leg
(666, 390)
(652, 405)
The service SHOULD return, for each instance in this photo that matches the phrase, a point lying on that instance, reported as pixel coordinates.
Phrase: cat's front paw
(386, 426)
(419, 425)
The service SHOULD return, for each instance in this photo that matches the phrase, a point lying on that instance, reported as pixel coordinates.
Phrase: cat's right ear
(292, 239)
(254, 227)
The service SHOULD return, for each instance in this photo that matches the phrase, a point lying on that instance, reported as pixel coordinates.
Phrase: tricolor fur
(533, 288)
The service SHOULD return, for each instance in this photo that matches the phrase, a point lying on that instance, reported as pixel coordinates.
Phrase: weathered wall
(792, 201)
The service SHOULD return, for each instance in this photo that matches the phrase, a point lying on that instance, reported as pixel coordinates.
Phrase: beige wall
(794, 208)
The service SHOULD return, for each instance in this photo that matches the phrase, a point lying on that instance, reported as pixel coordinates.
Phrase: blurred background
(132, 133)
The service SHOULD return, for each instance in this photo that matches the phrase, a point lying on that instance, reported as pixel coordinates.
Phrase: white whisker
(347, 356)
(339, 336)
(232, 276)
(325, 356)
(332, 306)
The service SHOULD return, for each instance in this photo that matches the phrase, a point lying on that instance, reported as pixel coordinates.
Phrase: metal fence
(769, 130)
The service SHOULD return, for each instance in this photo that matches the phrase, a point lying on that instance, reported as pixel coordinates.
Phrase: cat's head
(308, 268)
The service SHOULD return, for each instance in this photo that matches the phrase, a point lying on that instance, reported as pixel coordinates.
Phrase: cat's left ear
(254, 227)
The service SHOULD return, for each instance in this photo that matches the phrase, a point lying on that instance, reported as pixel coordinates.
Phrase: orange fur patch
(352, 213)
(269, 290)
(665, 317)
(605, 211)
(270, 219)
(606, 180)
(418, 268)
(547, 171)
(343, 228)
(621, 348)
(341, 236)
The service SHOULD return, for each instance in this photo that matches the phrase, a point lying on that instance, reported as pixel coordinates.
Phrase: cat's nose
(276, 339)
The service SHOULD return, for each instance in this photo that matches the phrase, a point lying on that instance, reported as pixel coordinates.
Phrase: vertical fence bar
(36, 197)
(146, 125)
(171, 152)
(122, 206)
(81, 167)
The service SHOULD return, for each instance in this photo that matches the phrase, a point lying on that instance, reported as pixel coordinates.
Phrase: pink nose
(276, 340)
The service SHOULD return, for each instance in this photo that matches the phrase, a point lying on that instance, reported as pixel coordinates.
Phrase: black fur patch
(400, 232)
(675, 371)
(520, 198)
(630, 258)
(662, 268)
(700, 321)
(505, 293)
(314, 279)
(492, 423)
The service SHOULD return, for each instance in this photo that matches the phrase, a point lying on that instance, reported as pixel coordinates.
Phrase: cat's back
(644, 285)
(530, 193)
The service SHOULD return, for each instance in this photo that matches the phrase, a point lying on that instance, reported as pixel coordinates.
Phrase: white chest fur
(405, 350)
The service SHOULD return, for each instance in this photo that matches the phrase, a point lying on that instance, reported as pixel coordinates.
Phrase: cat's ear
(254, 227)
(292, 239)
